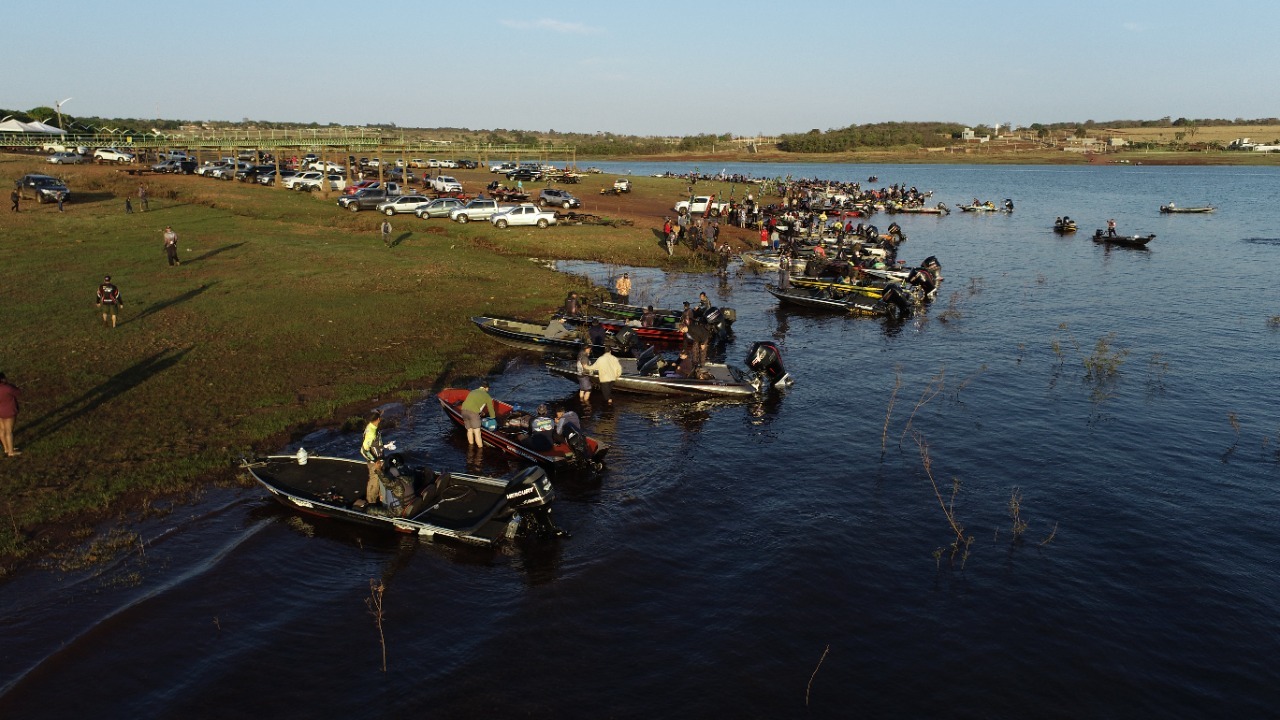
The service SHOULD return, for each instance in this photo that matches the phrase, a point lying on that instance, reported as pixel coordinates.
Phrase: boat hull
(722, 383)
(560, 458)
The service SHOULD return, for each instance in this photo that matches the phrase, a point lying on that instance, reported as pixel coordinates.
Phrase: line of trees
(875, 135)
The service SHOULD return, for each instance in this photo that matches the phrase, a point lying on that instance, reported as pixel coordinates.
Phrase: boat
(555, 336)
(978, 207)
(1064, 227)
(836, 285)
(896, 301)
(939, 209)
(1171, 208)
(762, 260)
(471, 509)
(720, 321)
(509, 431)
(648, 373)
(1099, 236)
(721, 318)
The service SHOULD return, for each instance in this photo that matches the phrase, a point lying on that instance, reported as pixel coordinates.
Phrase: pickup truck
(525, 214)
(477, 209)
(367, 199)
(446, 184)
(701, 204)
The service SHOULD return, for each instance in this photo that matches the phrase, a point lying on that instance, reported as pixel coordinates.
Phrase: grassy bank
(284, 313)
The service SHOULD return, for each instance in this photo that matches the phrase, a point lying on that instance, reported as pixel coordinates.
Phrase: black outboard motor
(898, 300)
(578, 444)
(530, 494)
(765, 358)
(720, 320)
(625, 339)
(924, 280)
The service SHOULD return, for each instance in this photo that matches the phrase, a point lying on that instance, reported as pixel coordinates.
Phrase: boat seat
(649, 366)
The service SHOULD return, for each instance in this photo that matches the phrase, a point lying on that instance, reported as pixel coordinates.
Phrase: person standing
(14, 197)
(386, 233)
(9, 394)
(371, 449)
(109, 300)
(571, 305)
(61, 196)
(609, 370)
(623, 286)
(1111, 227)
(476, 401)
(171, 246)
(584, 376)
(128, 206)
(142, 198)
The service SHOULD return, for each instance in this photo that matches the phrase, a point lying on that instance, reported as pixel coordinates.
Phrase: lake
(793, 556)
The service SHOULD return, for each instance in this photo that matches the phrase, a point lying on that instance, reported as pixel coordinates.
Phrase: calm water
(777, 560)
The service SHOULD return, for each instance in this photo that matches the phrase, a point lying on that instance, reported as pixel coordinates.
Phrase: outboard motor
(530, 494)
(897, 298)
(765, 358)
(626, 340)
(577, 442)
(924, 280)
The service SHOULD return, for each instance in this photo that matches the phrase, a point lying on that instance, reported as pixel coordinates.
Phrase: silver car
(66, 158)
(440, 207)
(403, 204)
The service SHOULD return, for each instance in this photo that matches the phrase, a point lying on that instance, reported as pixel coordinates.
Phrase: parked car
(561, 198)
(622, 185)
(251, 173)
(404, 175)
(403, 204)
(113, 155)
(228, 172)
(366, 199)
(477, 209)
(417, 163)
(446, 184)
(270, 177)
(184, 167)
(66, 158)
(524, 173)
(526, 214)
(43, 188)
(208, 167)
(502, 168)
(174, 155)
(440, 207)
(450, 164)
(467, 164)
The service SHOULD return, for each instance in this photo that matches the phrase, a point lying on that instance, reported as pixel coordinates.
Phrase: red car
(353, 189)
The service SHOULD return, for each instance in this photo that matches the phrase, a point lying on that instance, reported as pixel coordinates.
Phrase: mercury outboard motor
(529, 494)
(765, 358)
(720, 320)
(898, 299)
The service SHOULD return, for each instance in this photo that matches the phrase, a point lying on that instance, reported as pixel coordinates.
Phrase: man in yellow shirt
(371, 451)
(623, 286)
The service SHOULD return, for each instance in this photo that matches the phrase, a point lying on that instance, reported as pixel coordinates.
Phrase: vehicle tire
(389, 212)
(542, 202)
(715, 213)
(566, 205)
(502, 224)
(463, 219)
(543, 223)
(354, 207)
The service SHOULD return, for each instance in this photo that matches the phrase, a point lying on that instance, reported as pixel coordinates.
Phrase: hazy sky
(661, 68)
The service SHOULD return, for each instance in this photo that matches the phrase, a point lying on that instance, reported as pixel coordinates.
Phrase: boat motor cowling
(765, 358)
(530, 488)
(625, 339)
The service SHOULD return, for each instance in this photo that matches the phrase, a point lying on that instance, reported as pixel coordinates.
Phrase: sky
(645, 68)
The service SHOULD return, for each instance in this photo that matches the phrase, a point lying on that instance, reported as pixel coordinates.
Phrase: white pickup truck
(701, 204)
(446, 184)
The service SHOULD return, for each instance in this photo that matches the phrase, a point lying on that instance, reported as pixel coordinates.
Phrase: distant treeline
(877, 135)
(853, 137)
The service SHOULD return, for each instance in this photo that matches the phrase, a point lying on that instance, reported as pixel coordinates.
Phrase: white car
(526, 214)
(113, 155)
(403, 204)
(310, 178)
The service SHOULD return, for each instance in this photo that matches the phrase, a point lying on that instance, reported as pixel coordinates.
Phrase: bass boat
(648, 373)
(471, 509)
(509, 431)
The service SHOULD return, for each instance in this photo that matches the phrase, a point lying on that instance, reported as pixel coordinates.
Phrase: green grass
(285, 313)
